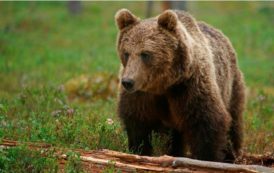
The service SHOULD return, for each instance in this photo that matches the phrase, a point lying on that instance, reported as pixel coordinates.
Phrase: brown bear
(179, 75)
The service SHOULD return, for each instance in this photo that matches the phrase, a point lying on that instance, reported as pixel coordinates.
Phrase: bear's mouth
(132, 90)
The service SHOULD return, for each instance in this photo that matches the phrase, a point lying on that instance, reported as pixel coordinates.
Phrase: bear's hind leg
(237, 104)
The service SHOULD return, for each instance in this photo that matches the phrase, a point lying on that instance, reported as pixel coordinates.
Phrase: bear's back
(224, 56)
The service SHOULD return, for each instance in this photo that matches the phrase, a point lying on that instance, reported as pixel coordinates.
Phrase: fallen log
(99, 160)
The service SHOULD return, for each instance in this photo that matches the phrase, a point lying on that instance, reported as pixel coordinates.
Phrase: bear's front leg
(176, 144)
(207, 142)
(204, 121)
(208, 126)
(139, 136)
(140, 114)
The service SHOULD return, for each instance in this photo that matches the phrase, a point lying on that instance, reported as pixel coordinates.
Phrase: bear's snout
(128, 84)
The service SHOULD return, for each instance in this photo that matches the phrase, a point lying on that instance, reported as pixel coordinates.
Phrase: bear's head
(155, 53)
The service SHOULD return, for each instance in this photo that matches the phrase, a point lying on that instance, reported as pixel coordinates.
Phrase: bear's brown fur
(182, 75)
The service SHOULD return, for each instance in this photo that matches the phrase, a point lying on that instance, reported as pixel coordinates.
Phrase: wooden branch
(99, 160)
(216, 166)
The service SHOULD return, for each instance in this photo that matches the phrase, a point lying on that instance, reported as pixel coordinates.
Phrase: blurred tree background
(59, 66)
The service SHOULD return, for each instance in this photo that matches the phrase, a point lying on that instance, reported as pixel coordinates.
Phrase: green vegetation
(21, 160)
(42, 47)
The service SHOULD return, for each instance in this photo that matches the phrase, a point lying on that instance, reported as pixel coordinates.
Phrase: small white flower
(109, 121)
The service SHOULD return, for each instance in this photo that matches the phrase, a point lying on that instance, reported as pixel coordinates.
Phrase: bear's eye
(146, 57)
(126, 56)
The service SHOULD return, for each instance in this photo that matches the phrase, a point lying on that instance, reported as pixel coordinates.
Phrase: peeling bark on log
(220, 166)
(98, 160)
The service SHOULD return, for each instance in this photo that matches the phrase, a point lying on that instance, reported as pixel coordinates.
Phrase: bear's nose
(128, 83)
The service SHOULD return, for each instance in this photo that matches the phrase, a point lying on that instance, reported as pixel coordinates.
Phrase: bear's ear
(125, 18)
(168, 20)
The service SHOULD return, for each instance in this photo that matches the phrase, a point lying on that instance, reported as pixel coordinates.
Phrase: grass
(42, 47)
(21, 160)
